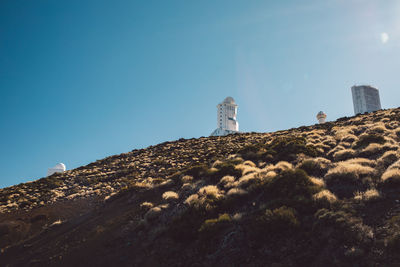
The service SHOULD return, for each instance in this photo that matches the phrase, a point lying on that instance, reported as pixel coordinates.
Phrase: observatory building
(60, 167)
(226, 118)
(365, 99)
(321, 116)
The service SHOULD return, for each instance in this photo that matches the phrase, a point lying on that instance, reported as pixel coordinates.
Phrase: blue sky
(82, 80)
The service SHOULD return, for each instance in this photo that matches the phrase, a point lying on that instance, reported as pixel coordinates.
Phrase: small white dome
(60, 166)
(229, 100)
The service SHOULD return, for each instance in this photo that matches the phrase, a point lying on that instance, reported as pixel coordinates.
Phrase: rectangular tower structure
(365, 99)
(226, 118)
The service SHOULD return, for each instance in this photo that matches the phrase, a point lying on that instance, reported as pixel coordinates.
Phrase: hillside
(320, 195)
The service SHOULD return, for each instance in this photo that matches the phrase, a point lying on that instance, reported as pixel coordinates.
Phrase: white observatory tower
(226, 118)
(321, 116)
(60, 167)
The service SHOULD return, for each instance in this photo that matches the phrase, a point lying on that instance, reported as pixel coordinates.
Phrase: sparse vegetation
(366, 139)
(243, 199)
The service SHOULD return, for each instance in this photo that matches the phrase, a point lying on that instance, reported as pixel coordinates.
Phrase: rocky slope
(321, 195)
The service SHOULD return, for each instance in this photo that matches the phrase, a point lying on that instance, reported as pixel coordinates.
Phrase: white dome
(60, 166)
(229, 100)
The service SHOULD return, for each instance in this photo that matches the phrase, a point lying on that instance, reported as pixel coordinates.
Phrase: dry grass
(342, 131)
(187, 187)
(247, 169)
(325, 195)
(247, 180)
(395, 165)
(227, 181)
(391, 174)
(388, 158)
(344, 168)
(205, 197)
(170, 195)
(282, 166)
(58, 222)
(345, 144)
(315, 166)
(378, 128)
(343, 154)
(236, 192)
(335, 150)
(146, 205)
(329, 141)
(317, 181)
(362, 161)
(369, 195)
(153, 213)
(249, 163)
(372, 149)
(350, 138)
(210, 191)
(216, 164)
(187, 179)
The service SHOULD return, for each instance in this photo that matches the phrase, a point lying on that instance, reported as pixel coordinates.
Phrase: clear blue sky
(82, 80)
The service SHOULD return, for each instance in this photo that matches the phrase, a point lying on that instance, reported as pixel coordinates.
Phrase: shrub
(252, 152)
(315, 166)
(278, 221)
(246, 169)
(227, 181)
(197, 171)
(153, 213)
(286, 148)
(51, 182)
(373, 150)
(343, 154)
(397, 132)
(216, 164)
(388, 158)
(146, 206)
(350, 138)
(248, 180)
(361, 161)
(367, 139)
(317, 181)
(341, 227)
(249, 163)
(214, 174)
(282, 166)
(213, 225)
(279, 149)
(378, 129)
(236, 192)
(369, 195)
(346, 178)
(227, 168)
(210, 232)
(170, 195)
(325, 195)
(334, 150)
(187, 179)
(291, 184)
(391, 180)
(208, 197)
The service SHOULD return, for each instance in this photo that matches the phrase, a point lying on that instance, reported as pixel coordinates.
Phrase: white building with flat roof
(226, 118)
(365, 99)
